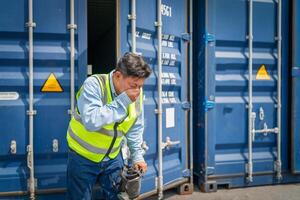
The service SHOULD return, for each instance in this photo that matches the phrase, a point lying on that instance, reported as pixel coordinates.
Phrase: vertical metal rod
(278, 162)
(253, 117)
(250, 95)
(132, 18)
(133, 25)
(159, 88)
(30, 158)
(191, 88)
(72, 27)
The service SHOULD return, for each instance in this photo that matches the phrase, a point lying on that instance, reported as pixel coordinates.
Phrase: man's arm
(134, 142)
(93, 113)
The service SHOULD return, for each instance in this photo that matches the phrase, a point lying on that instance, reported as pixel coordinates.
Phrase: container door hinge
(210, 170)
(209, 38)
(186, 173)
(295, 71)
(186, 105)
(186, 37)
(208, 104)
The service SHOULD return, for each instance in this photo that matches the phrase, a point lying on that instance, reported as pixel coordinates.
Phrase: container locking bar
(265, 131)
(31, 112)
(158, 25)
(191, 3)
(72, 27)
(278, 161)
(132, 17)
(252, 115)
(169, 143)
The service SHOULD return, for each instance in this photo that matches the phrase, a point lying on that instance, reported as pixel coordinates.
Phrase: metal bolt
(261, 113)
(55, 145)
(13, 147)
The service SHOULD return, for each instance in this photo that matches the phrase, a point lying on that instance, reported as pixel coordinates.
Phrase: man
(109, 107)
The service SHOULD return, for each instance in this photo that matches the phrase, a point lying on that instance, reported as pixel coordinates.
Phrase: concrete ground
(278, 192)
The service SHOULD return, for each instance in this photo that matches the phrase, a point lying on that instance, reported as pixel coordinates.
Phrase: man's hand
(142, 166)
(133, 94)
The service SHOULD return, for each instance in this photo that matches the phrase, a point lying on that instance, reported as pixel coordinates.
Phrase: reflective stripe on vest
(102, 130)
(94, 145)
(87, 145)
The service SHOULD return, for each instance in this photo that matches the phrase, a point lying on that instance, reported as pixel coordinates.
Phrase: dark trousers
(82, 174)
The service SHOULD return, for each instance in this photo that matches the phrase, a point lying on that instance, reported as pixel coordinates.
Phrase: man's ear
(118, 75)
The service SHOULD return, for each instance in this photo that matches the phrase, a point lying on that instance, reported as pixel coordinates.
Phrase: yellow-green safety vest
(95, 145)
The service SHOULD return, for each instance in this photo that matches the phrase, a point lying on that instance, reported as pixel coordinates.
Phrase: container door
(13, 96)
(174, 16)
(52, 86)
(51, 69)
(296, 89)
(222, 55)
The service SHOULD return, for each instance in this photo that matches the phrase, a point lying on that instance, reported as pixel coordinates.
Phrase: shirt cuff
(124, 99)
(137, 158)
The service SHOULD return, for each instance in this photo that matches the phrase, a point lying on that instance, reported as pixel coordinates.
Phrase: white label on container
(165, 62)
(170, 44)
(170, 117)
(172, 38)
(172, 81)
(166, 55)
(173, 56)
(165, 100)
(172, 100)
(172, 63)
(166, 81)
(9, 96)
(165, 37)
(172, 75)
(166, 10)
(146, 36)
(171, 94)
(164, 43)
(165, 75)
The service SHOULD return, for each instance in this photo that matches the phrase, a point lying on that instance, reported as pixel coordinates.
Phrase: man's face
(124, 83)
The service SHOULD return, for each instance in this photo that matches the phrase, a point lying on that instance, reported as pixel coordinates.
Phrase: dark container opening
(102, 35)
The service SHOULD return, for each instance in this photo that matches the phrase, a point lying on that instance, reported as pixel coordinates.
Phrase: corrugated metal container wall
(108, 37)
(51, 52)
(237, 130)
(174, 85)
(295, 89)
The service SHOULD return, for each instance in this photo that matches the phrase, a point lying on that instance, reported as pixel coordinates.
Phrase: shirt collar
(112, 87)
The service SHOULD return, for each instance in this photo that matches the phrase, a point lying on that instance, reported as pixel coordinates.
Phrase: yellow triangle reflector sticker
(262, 73)
(51, 84)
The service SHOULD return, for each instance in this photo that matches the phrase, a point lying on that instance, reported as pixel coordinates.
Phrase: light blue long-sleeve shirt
(94, 114)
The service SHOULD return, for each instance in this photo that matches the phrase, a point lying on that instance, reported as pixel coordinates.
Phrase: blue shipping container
(237, 128)
(102, 34)
(51, 55)
(295, 95)
(174, 85)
